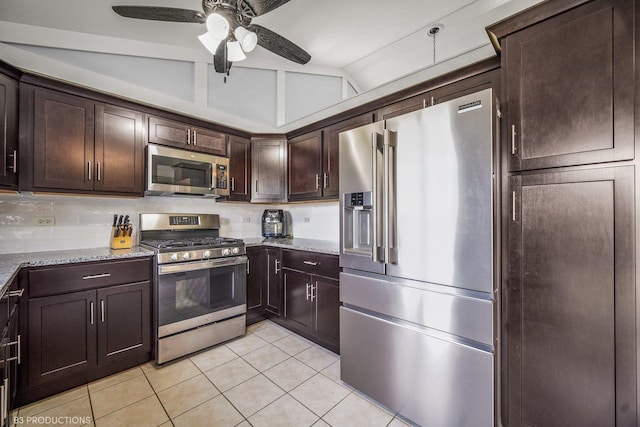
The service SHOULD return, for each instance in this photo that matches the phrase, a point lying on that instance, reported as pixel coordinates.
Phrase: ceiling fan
(229, 30)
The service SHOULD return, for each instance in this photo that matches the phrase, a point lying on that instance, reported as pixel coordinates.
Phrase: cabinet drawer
(312, 263)
(74, 277)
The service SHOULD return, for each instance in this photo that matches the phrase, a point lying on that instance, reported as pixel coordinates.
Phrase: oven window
(191, 294)
(172, 171)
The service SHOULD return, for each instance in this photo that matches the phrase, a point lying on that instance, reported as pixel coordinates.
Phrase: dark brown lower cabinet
(255, 300)
(571, 299)
(312, 300)
(84, 322)
(272, 285)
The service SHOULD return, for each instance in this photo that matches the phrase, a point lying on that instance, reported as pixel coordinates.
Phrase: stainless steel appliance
(172, 171)
(275, 223)
(416, 321)
(200, 293)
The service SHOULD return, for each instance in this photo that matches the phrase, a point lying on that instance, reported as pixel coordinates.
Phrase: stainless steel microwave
(171, 171)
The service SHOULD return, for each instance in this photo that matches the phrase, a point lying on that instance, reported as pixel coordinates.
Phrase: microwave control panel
(221, 176)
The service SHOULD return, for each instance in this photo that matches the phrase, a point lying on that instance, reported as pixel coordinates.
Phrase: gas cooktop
(212, 242)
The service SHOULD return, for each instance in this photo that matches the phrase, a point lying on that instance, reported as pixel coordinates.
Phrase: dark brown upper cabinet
(269, 169)
(570, 87)
(240, 168)
(82, 146)
(8, 132)
(305, 167)
(181, 135)
(570, 324)
(404, 106)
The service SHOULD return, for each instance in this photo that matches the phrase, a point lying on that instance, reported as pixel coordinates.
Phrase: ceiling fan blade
(253, 8)
(220, 63)
(279, 45)
(155, 13)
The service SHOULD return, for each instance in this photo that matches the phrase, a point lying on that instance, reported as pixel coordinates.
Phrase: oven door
(193, 294)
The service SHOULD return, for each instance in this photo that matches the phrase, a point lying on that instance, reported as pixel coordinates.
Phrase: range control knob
(236, 251)
(226, 251)
(206, 254)
(174, 257)
(186, 255)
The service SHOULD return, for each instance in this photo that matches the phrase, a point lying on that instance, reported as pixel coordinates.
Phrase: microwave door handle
(213, 177)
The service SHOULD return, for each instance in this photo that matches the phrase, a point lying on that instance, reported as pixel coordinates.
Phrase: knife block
(120, 242)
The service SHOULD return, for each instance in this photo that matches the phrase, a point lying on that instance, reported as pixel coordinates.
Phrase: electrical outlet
(245, 219)
(307, 219)
(44, 220)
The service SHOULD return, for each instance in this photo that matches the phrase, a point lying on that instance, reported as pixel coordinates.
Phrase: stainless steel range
(200, 294)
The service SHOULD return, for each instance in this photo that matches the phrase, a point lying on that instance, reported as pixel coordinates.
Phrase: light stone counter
(321, 246)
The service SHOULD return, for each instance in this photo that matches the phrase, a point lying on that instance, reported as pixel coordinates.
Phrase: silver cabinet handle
(188, 136)
(277, 270)
(195, 138)
(16, 293)
(248, 262)
(15, 161)
(233, 184)
(96, 276)
(308, 291)
(3, 400)
(17, 343)
(98, 170)
(317, 181)
(325, 180)
(102, 310)
(19, 349)
(310, 262)
(91, 311)
(513, 139)
(257, 186)
(89, 169)
(513, 206)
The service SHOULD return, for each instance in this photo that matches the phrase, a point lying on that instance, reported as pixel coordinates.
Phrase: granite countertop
(321, 246)
(10, 264)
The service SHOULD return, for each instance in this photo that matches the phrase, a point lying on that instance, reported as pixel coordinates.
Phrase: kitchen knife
(117, 232)
(115, 220)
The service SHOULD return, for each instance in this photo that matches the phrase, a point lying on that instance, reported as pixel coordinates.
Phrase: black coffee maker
(274, 223)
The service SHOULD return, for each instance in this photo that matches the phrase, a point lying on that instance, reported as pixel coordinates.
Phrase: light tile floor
(270, 377)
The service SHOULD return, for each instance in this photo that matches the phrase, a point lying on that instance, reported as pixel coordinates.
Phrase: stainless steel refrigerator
(416, 205)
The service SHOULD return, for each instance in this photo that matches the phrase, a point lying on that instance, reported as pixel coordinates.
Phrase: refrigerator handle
(389, 221)
(377, 255)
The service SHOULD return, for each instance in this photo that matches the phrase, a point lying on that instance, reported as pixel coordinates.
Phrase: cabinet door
(326, 297)
(273, 282)
(403, 107)
(240, 168)
(63, 141)
(255, 271)
(570, 94)
(571, 299)
(124, 321)
(168, 132)
(305, 166)
(62, 336)
(297, 299)
(119, 150)
(268, 169)
(330, 152)
(208, 141)
(8, 132)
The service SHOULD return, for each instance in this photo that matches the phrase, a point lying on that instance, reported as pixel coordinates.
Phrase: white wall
(85, 222)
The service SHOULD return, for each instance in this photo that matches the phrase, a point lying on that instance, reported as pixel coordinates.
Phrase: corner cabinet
(79, 145)
(8, 133)
(570, 87)
(182, 135)
(312, 296)
(239, 168)
(85, 321)
(269, 169)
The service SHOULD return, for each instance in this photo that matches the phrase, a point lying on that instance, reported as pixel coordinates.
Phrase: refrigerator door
(361, 198)
(440, 193)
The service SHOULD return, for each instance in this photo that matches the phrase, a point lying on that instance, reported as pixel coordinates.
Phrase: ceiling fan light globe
(248, 39)
(210, 42)
(217, 26)
(234, 52)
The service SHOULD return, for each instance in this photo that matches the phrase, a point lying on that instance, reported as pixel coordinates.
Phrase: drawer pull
(310, 262)
(91, 312)
(16, 293)
(96, 276)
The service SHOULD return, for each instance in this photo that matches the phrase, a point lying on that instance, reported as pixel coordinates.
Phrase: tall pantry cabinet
(569, 322)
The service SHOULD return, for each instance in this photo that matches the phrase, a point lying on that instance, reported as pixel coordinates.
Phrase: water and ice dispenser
(358, 223)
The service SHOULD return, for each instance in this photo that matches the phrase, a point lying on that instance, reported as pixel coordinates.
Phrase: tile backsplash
(85, 222)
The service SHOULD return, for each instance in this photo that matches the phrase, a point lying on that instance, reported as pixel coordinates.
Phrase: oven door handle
(200, 265)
